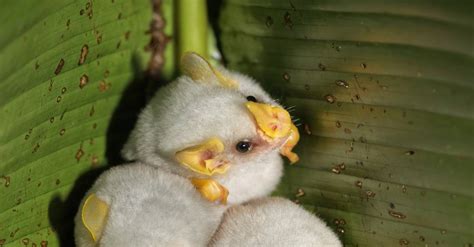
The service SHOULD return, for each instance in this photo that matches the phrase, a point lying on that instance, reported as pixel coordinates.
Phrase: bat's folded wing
(140, 205)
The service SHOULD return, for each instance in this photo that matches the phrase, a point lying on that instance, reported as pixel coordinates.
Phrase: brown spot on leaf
(342, 83)
(338, 124)
(287, 19)
(63, 90)
(397, 215)
(338, 168)
(7, 181)
(104, 86)
(35, 149)
(59, 67)
(83, 81)
(12, 234)
(339, 222)
(37, 65)
(127, 35)
(62, 114)
(268, 21)
(81, 12)
(347, 131)
(58, 181)
(58, 99)
(286, 76)
(307, 129)
(79, 154)
(370, 193)
(89, 9)
(94, 160)
(322, 67)
(44, 243)
(83, 55)
(92, 111)
(330, 98)
(25, 241)
(404, 241)
(62, 132)
(300, 192)
(99, 39)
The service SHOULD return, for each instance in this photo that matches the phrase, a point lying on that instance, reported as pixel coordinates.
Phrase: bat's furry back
(275, 222)
(150, 207)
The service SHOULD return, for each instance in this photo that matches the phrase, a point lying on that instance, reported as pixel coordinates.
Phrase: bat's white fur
(272, 222)
(152, 203)
(187, 113)
(150, 207)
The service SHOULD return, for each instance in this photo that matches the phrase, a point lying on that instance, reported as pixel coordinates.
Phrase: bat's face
(216, 124)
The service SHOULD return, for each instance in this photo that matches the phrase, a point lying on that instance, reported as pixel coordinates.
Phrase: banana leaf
(384, 95)
(71, 83)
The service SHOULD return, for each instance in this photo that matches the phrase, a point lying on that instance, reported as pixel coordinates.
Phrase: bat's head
(213, 123)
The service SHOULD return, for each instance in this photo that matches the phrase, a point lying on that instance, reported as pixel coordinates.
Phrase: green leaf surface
(69, 89)
(385, 97)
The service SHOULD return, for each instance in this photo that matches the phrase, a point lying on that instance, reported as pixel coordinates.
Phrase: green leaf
(69, 91)
(385, 96)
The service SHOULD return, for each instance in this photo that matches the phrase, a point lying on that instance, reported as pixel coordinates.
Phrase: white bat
(210, 139)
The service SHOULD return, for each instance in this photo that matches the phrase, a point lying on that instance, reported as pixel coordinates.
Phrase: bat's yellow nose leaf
(274, 121)
(211, 190)
(205, 158)
(290, 144)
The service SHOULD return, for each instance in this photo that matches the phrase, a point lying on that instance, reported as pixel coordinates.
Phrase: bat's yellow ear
(94, 214)
(196, 67)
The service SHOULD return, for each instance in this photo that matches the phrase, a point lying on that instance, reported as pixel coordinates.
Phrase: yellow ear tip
(198, 68)
(93, 215)
(189, 56)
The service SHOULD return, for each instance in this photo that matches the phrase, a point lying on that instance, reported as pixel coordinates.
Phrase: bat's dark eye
(251, 98)
(243, 146)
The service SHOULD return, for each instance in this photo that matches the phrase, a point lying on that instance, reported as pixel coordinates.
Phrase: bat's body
(275, 222)
(208, 140)
(149, 207)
